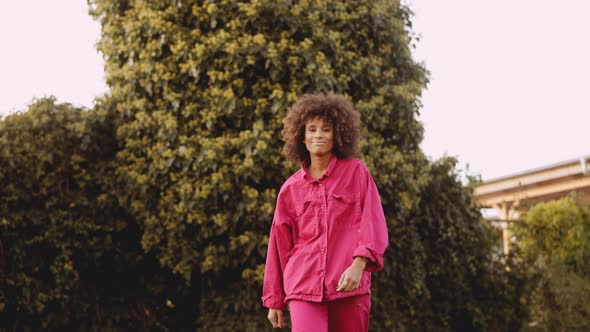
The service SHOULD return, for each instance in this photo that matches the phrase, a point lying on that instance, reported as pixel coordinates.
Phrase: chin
(320, 153)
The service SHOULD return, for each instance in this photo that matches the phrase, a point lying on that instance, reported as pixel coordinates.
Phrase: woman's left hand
(351, 277)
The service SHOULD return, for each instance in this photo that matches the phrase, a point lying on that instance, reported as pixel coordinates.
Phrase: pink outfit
(345, 315)
(319, 226)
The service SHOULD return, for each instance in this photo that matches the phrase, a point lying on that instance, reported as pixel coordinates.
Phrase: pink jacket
(319, 226)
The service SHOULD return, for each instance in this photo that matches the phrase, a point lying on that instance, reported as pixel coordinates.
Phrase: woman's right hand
(275, 316)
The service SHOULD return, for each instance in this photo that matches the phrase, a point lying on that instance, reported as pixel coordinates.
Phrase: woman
(328, 233)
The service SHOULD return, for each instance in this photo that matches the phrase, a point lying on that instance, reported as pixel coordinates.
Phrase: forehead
(318, 122)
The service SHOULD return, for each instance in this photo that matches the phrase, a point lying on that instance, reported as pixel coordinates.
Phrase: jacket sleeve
(373, 237)
(280, 244)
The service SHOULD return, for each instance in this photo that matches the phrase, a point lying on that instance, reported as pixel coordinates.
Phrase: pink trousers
(345, 315)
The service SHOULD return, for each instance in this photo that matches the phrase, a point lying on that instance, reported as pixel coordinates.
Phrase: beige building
(509, 195)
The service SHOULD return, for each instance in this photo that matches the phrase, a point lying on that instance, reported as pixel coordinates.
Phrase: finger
(347, 287)
(341, 281)
(273, 319)
(281, 320)
(352, 285)
(343, 285)
(346, 284)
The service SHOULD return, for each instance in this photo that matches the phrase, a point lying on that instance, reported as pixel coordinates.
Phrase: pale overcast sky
(509, 81)
(509, 78)
(48, 49)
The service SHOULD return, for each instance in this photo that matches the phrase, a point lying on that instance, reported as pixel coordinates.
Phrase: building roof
(543, 183)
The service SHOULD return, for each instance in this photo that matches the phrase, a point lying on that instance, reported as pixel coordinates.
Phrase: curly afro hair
(333, 108)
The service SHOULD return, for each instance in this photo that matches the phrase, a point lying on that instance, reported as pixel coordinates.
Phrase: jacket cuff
(274, 302)
(375, 262)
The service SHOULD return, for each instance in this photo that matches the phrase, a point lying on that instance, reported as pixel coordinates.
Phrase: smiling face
(319, 137)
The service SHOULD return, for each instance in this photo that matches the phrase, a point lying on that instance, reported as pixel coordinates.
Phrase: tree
(198, 90)
(58, 222)
(554, 242)
(201, 89)
(70, 254)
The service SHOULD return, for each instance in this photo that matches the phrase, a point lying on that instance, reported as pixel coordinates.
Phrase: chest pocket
(305, 219)
(346, 209)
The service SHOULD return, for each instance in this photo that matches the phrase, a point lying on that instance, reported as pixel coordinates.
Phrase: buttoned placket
(324, 229)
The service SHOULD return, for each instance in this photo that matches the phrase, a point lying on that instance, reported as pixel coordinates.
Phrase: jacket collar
(331, 166)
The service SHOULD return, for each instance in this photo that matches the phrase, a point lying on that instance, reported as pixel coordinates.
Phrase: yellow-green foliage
(178, 187)
(57, 217)
(555, 243)
(201, 88)
(70, 254)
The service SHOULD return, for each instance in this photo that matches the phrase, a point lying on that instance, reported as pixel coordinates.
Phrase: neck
(318, 165)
